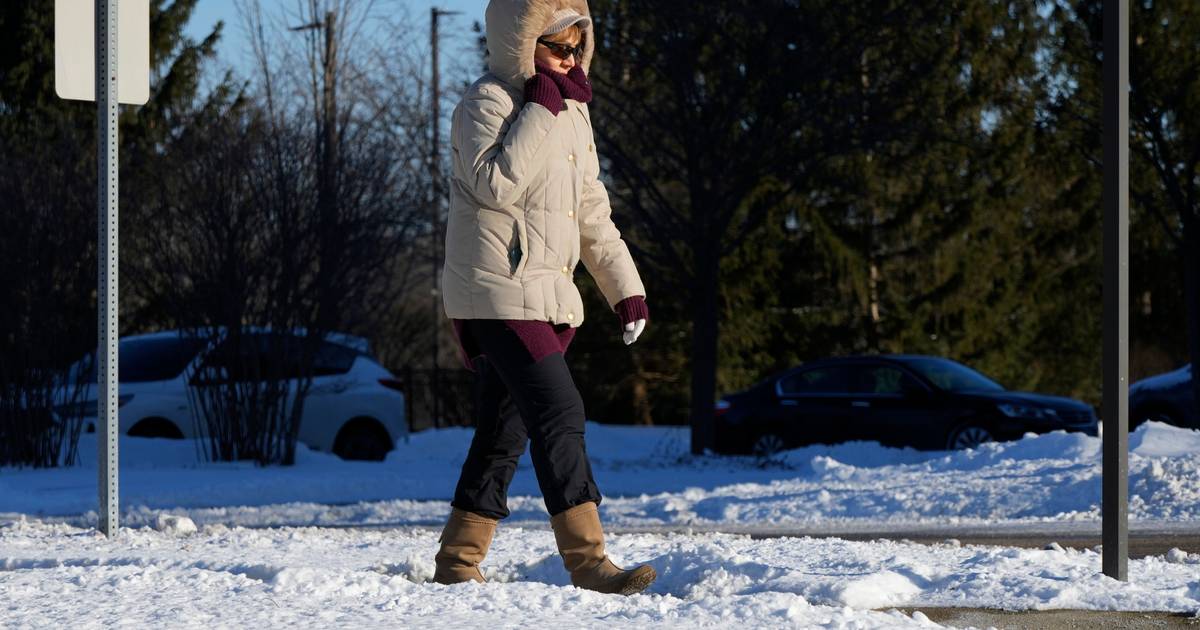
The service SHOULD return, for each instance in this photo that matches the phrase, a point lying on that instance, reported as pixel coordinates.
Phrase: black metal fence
(435, 399)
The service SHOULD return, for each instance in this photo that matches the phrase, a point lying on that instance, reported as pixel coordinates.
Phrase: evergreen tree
(911, 199)
(1164, 166)
(699, 113)
(936, 216)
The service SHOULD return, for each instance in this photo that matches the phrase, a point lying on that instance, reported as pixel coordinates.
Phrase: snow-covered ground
(648, 479)
(336, 544)
(59, 576)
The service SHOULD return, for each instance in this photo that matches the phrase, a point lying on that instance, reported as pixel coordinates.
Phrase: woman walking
(526, 206)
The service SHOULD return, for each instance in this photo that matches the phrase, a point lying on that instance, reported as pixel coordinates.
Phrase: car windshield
(952, 376)
(145, 360)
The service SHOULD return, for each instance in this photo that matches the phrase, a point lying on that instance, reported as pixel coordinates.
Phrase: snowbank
(648, 478)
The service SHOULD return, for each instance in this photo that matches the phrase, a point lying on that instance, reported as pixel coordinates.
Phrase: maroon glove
(541, 89)
(632, 309)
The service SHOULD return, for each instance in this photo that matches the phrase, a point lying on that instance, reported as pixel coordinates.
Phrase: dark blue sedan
(918, 401)
(1165, 398)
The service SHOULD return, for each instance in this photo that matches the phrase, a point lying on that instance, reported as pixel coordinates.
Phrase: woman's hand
(542, 89)
(633, 313)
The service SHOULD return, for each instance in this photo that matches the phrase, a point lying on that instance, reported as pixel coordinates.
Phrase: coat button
(570, 213)
(570, 315)
(570, 157)
(566, 270)
(591, 147)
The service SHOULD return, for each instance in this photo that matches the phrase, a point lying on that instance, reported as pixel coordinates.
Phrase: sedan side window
(883, 379)
(824, 380)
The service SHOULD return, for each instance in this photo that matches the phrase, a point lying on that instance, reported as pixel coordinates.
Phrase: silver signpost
(106, 113)
(1115, 403)
(87, 65)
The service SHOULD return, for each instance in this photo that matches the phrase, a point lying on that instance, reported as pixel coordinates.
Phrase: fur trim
(513, 27)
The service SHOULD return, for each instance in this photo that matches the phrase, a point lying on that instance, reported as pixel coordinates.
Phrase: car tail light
(392, 383)
(722, 407)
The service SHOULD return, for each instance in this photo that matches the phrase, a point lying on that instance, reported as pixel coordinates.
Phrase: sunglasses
(562, 51)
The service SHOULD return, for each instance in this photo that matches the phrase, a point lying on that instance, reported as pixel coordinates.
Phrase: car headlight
(1013, 410)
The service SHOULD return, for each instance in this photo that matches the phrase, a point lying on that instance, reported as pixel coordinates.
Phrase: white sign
(75, 50)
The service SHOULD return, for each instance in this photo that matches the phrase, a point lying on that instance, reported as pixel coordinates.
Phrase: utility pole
(327, 167)
(435, 207)
(327, 194)
(329, 147)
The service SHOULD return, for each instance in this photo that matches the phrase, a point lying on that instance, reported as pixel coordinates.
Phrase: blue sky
(234, 52)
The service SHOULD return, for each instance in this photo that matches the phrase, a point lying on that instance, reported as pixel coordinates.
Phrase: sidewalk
(1055, 619)
(1145, 539)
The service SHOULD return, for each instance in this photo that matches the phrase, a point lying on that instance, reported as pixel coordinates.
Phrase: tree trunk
(1191, 287)
(640, 399)
(704, 347)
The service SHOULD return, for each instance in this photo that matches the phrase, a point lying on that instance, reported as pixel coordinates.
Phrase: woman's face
(550, 58)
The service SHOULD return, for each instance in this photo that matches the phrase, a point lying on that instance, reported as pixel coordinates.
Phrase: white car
(354, 407)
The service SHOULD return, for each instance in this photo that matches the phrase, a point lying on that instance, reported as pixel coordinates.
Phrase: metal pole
(1115, 404)
(327, 195)
(435, 177)
(107, 111)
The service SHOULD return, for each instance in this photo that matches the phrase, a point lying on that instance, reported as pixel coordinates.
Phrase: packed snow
(54, 575)
(328, 543)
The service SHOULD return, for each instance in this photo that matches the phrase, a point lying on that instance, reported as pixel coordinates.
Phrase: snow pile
(648, 479)
(56, 575)
(175, 525)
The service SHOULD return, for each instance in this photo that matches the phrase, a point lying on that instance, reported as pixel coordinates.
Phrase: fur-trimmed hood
(513, 27)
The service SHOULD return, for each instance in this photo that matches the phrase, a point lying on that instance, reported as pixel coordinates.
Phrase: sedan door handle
(860, 403)
(788, 401)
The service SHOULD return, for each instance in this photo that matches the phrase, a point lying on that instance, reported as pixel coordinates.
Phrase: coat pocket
(515, 254)
(500, 248)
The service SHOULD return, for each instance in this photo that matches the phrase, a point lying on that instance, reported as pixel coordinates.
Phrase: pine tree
(699, 111)
(1164, 165)
(936, 225)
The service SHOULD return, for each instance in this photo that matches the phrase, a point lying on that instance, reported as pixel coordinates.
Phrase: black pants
(519, 401)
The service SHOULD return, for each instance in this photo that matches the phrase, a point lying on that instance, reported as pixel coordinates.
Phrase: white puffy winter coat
(526, 202)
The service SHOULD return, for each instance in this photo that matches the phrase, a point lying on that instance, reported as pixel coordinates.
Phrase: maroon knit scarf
(573, 85)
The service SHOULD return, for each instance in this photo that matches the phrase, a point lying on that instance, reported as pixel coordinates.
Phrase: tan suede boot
(581, 543)
(465, 541)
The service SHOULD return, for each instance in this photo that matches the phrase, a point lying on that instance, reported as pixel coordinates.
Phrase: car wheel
(767, 445)
(155, 428)
(362, 439)
(969, 436)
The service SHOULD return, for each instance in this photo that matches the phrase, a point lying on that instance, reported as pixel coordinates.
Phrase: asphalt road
(1056, 619)
(1140, 544)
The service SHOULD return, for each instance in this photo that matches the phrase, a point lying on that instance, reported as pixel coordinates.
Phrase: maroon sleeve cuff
(632, 309)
